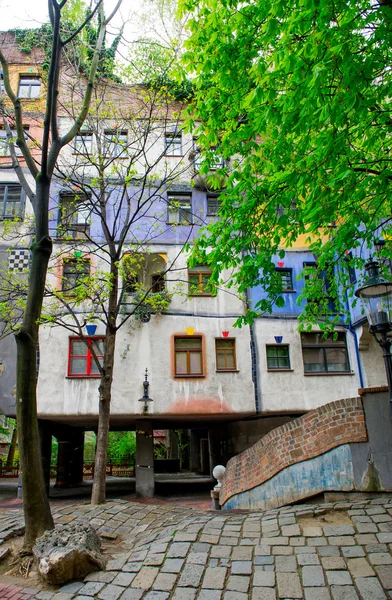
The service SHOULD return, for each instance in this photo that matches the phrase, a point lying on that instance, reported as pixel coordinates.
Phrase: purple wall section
(154, 206)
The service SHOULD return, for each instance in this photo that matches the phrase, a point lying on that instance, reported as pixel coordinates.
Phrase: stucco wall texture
(332, 425)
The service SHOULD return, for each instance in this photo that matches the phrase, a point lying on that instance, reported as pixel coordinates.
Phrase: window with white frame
(115, 142)
(74, 216)
(213, 205)
(173, 143)
(180, 209)
(11, 201)
(4, 145)
(29, 86)
(83, 143)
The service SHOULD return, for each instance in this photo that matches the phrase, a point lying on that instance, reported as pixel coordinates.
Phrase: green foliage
(121, 446)
(298, 93)
(157, 66)
(147, 303)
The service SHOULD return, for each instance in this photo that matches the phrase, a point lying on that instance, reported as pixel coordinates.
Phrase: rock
(68, 552)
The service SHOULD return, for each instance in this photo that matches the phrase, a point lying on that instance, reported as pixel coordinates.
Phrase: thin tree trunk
(12, 448)
(105, 389)
(35, 502)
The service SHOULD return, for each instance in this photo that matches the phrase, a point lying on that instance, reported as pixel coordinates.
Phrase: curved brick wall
(320, 430)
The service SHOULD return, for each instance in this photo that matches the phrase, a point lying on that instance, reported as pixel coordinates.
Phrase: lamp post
(145, 398)
(376, 297)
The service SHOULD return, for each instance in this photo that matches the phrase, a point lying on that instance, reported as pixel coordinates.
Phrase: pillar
(214, 448)
(145, 483)
(63, 462)
(45, 438)
(76, 458)
(195, 461)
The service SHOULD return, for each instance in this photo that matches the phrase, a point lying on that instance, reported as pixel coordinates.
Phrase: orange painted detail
(196, 405)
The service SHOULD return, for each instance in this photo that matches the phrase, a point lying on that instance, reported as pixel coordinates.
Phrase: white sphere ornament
(218, 473)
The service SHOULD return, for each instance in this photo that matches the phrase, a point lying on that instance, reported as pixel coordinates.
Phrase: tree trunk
(12, 448)
(105, 391)
(35, 502)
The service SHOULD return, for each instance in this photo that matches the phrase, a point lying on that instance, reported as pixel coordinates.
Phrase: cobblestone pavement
(335, 551)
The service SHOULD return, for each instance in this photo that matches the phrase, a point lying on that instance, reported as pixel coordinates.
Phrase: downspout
(356, 345)
(255, 360)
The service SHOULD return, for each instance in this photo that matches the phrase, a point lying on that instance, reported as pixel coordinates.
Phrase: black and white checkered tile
(19, 259)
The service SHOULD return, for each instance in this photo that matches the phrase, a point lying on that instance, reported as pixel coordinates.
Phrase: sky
(32, 13)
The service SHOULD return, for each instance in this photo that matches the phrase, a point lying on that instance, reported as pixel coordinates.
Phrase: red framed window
(81, 361)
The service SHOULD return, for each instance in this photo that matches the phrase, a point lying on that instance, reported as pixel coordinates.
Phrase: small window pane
(98, 346)
(213, 205)
(181, 362)
(94, 368)
(286, 277)
(79, 348)
(173, 144)
(336, 359)
(78, 366)
(195, 362)
(314, 360)
(189, 344)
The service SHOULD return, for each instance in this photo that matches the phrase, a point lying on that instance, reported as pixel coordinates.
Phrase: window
(173, 143)
(180, 210)
(4, 145)
(213, 205)
(322, 355)
(83, 142)
(11, 201)
(350, 267)
(29, 86)
(73, 270)
(74, 215)
(225, 354)
(278, 357)
(81, 361)
(158, 283)
(199, 281)
(287, 279)
(188, 356)
(115, 143)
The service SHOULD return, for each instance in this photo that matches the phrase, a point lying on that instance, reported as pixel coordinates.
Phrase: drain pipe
(255, 360)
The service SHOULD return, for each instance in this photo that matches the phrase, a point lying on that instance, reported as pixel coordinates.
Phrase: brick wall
(315, 433)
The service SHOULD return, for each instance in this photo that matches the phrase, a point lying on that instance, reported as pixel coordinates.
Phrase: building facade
(132, 174)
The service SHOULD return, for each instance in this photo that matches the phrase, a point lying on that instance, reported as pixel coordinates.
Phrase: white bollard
(218, 472)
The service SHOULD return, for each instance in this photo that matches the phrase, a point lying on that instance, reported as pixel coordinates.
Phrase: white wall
(293, 391)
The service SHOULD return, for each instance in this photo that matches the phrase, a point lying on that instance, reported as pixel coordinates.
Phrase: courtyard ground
(334, 551)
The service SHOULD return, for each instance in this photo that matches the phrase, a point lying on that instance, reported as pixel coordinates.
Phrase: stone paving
(188, 554)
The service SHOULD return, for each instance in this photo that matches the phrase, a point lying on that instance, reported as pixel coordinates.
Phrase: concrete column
(195, 462)
(45, 437)
(214, 448)
(145, 483)
(63, 463)
(76, 458)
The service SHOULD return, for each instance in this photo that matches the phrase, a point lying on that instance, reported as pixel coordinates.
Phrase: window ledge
(173, 155)
(189, 376)
(329, 374)
(83, 376)
(279, 370)
(227, 370)
(289, 291)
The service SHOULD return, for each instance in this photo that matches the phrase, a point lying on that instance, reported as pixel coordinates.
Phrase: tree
(111, 200)
(297, 94)
(36, 507)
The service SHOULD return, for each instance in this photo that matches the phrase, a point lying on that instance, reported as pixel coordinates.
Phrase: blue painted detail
(332, 471)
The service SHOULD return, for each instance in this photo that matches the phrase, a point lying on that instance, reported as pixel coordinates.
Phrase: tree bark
(35, 502)
(105, 392)
(12, 448)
